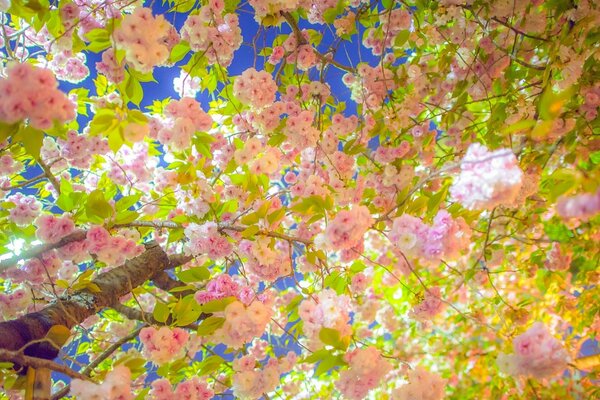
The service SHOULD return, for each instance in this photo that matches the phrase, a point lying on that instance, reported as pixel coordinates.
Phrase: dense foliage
(300, 199)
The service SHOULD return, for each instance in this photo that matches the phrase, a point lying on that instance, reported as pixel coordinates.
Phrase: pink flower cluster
(249, 382)
(12, 303)
(51, 229)
(9, 166)
(242, 324)
(422, 385)
(111, 250)
(348, 228)
(557, 259)
(69, 67)
(255, 88)
(325, 310)
(192, 389)
(116, 386)
(444, 239)
(145, 39)
(164, 344)
(266, 261)
(36, 271)
(536, 353)
(582, 206)
(184, 118)
(224, 286)
(487, 178)
(26, 209)
(30, 92)
(216, 36)
(263, 8)
(206, 239)
(300, 131)
(365, 371)
(391, 23)
(591, 102)
(78, 148)
(111, 67)
(371, 85)
(431, 305)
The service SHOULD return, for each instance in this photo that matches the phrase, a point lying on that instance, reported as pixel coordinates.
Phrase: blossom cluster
(25, 210)
(206, 239)
(536, 353)
(242, 324)
(487, 178)
(431, 305)
(582, 206)
(51, 229)
(111, 67)
(422, 385)
(249, 382)
(213, 34)
(192, 389)
(444, 239)
(223, 286)
(116, 385)
(348, 228)
(32, 93)
(366, 369)
(76, 149)
(164, 344)
(371, 85)
(325, 310)
(184, 118)
(255, 88)
(11, 303)
(266, 261)
(145, 40)
(112, 250)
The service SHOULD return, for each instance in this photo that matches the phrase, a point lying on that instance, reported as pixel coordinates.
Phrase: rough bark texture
(71, 310)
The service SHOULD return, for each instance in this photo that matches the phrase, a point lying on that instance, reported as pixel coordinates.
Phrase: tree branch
(29, 331)
(19, 358)
(301, 41)
(42, 248)
(105, 354)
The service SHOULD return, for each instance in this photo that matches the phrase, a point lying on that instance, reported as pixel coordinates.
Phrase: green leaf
(186, 311)
(401, 38)
(161, 312)
(179, 51)
(250, 232)
(133, 89)
(328, 363)
(127, 201)
(210, 325)
(99, 40)
(198, 274)
(316, 356)
(210, 364)
(97, 206)
(217, 305)
(31, 139)
(333, 338)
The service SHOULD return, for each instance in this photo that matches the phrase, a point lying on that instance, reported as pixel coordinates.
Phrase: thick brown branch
(69, 310)
(38, 363)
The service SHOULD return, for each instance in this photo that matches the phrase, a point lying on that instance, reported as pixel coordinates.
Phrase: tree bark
(27, 333)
